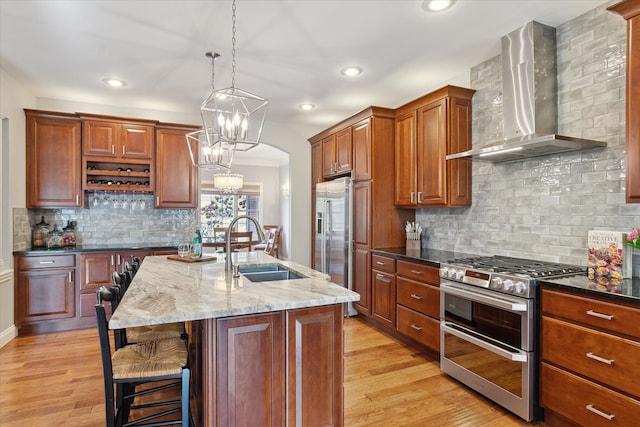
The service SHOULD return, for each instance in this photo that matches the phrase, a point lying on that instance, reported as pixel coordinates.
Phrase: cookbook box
(609, 258)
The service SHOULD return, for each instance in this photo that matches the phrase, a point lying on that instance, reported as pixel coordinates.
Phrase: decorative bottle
(197, 244)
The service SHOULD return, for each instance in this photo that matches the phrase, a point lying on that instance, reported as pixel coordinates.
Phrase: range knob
(520, 288)
(444, 271)
(459, 274)
(508, 285)
(496, 283)
(453, 273)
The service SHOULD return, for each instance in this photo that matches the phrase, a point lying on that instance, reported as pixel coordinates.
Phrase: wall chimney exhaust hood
(530, 100)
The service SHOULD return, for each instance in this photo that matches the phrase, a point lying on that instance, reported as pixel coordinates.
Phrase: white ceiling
(289, 52)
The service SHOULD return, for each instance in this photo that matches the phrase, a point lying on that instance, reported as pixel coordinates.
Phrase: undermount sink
(268, 273)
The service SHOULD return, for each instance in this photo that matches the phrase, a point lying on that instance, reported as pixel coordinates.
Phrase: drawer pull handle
(599, 315)
(416, 272)
(600, 359)
(380, 263)
(383, 278)
(414, 296)
(602, 414)
(47, 262)
(416, 327)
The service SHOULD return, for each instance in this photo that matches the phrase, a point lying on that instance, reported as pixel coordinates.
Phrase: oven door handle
(492, 301)
(516, 357)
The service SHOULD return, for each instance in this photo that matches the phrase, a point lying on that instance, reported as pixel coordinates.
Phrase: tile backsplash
(542, 208)
(108, 225)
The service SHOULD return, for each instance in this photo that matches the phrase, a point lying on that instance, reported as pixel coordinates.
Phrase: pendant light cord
(233, 44)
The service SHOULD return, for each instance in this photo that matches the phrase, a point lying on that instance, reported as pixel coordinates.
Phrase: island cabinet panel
(250, 366)
(314, 367)
(272, 369)
(45, 293)
(427, 130)
(176, 181)
(589, 360)
(53, 160)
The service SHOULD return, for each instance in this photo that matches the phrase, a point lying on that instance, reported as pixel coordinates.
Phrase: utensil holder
(413, 245)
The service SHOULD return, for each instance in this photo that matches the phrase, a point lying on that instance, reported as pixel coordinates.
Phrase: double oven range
(488, 326)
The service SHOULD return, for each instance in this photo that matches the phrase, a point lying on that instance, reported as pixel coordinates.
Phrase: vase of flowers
(633, 239)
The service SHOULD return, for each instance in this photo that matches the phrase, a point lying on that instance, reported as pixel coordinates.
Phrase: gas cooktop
(509, 275)
(525, 267)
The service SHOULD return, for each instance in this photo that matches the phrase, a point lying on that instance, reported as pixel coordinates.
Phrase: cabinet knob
(416, 327)
(419, 196)
(415, 296)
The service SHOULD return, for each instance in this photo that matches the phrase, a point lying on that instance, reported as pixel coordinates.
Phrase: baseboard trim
(7, 335)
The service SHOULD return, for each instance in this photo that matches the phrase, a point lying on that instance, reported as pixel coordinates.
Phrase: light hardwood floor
(56, 380)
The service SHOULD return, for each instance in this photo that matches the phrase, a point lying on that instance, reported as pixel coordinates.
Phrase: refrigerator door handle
(328, 231)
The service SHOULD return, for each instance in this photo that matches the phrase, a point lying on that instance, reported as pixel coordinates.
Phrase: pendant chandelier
(234, 117)
(205, 148)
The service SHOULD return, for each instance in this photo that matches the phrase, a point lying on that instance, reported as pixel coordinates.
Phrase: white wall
(14, 96)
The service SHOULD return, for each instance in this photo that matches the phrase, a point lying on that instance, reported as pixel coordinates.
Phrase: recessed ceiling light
(351, 71)
(114, 82)
(436, 5)
(306, 107)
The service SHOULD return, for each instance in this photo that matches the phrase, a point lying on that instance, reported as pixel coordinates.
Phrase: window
(217, 209)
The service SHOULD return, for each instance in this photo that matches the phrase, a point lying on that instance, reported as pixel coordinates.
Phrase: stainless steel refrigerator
(334, 232)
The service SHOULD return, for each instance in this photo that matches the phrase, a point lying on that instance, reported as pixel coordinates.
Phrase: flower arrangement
(633, 239)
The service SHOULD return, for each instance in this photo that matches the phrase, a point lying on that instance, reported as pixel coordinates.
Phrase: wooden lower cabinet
(418, 298)
(45, 293)
(96, 269)
(271, 369)
(590, 348)
(383, 290)
(362, 278)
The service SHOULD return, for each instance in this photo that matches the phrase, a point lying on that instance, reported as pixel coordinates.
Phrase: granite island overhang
(166, 291)
(260, 353)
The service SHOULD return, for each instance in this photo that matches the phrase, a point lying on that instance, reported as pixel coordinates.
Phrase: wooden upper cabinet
(361, 134)
(344, 150)
(176, 180)
(328, 155)
(428, 129)
(117, 139)
(53, 160)
(337, 153)
(406, 155)
(316, 163)
(630, 10)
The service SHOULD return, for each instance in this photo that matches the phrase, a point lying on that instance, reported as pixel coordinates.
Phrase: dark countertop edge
(583, 289)
(434, 257)
(91, 248)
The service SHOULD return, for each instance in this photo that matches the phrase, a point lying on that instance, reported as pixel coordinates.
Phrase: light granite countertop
(165, 291)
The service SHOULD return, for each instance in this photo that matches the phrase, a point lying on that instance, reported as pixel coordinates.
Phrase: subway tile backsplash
(108, 225)
(542, 208)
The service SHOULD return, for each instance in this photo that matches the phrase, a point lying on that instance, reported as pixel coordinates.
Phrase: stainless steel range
(488, 326)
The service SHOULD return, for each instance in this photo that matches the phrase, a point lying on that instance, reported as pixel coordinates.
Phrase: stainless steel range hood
(530, 100)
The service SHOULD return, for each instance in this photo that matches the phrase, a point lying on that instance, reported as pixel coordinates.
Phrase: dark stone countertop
(625, 290)
(116, 247)
(431, 256)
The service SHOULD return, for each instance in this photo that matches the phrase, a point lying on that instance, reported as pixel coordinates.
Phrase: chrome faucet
(229, 265)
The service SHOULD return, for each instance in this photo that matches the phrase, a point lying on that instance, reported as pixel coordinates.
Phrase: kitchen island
(261, 352)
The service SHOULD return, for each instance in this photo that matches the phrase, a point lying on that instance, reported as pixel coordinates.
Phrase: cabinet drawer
(46, 261)
(419, 327)
(382, 263)
(592, 312)
(418, 296)
(416, 271)
(606, 358)
(572, 396)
